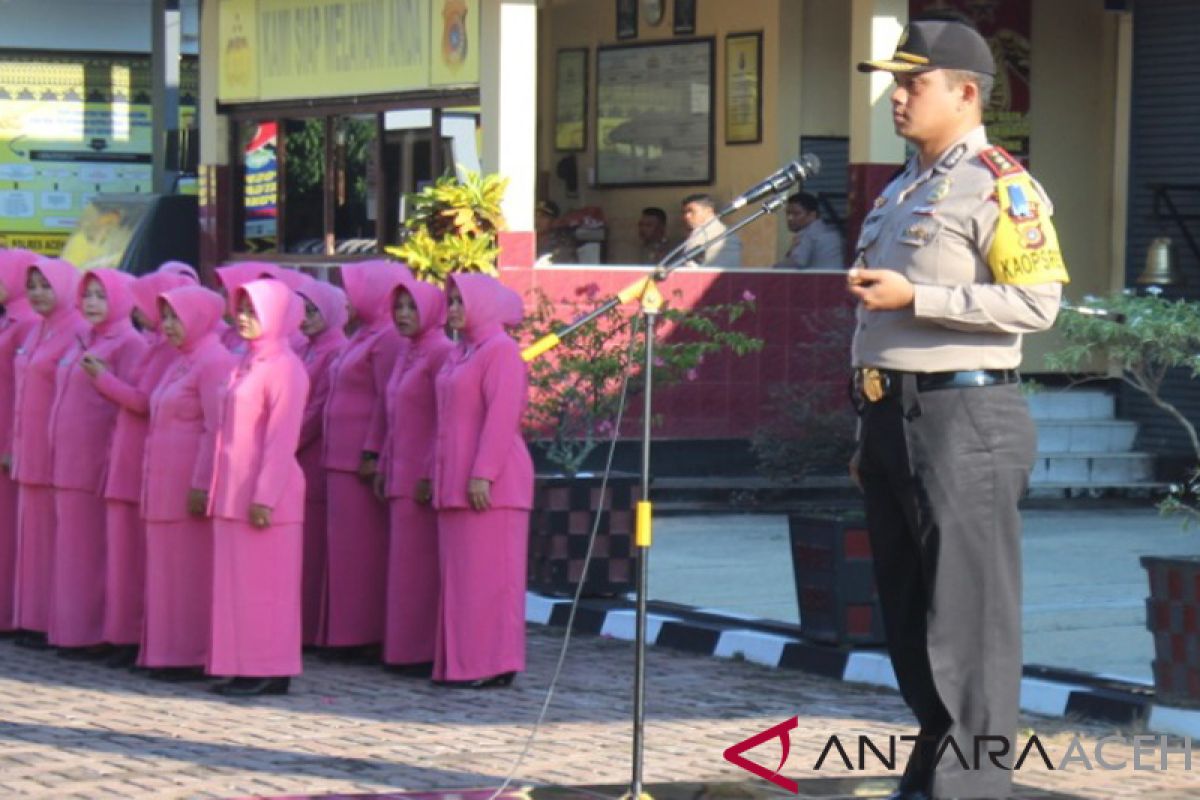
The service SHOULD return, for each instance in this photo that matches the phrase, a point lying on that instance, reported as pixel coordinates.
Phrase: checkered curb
(1047, 691)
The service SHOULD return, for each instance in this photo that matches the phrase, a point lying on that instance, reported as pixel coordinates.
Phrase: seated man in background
(652, 236)
(699, 216)
(816, 244)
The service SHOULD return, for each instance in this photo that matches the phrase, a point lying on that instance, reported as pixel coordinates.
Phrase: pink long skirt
(481, 617)
(256, 600)
(315, 521)
(8, 552)
(80, 549)
(35, 555)
(178, 605)
(125, 586)
(412, 584)
(356, 553)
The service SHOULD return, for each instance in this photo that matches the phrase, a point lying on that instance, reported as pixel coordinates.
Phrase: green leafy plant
(811, 427)
(453, 226)
(1157, 335)
(576, 387)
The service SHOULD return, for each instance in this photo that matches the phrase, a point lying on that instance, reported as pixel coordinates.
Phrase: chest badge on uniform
(917, 235)
(924, 211)
(880, 201)
(939, 191)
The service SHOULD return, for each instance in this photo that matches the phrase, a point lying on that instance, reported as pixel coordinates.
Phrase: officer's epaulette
(999, 162)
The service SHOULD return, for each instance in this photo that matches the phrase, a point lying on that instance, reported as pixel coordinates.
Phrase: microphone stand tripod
(645, 291)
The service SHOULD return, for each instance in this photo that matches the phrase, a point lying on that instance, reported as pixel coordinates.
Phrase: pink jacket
(184, 408)
(18, 320)
(36, 369)
(359, 376)
(132, 396)
(82, 419)
(408, 451)
(481, 396)
(321, 351)
(261, 411)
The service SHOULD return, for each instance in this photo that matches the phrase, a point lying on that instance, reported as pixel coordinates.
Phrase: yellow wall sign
(292, 49)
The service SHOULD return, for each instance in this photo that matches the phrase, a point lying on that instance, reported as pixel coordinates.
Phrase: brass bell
(1160, 267)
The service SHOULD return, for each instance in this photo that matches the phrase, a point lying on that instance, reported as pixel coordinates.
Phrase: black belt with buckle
(873, 384)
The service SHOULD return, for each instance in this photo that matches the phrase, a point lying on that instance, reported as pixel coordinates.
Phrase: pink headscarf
(279, 311)
(234, 276)
(369, 286)
(147, 288)
(63, 278)
(488, 305)
(179, 268)
(293, 278)
(329, 300)
(199, 311)
(430, 302)
(14, 265)
(118, 290)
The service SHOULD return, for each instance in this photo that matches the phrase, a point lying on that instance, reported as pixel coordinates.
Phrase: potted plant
(454, 226)
(1145, 337)
(576, 392)
(811, 432)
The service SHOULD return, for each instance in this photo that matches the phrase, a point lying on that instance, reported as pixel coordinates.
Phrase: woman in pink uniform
(81, 428)
(229, 278)
(324, 324)
(125, 565)
(258, 501)
(356, 547)
(50, 286)
(18, 320)
(177, 473)
(483, 490)
(406, 467)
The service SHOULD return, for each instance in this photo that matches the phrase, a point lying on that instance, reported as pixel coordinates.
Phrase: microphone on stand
(798, 171)
(1088, 311)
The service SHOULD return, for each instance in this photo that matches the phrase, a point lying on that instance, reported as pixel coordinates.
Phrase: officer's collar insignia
(953, 157)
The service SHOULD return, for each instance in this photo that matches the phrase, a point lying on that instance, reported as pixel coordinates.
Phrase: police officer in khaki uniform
(955, 262)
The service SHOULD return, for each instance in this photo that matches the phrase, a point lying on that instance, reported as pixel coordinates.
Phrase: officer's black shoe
(252, 687)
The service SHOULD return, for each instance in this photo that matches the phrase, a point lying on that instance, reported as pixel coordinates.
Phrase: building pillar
(875, 149)
(508, 83)
(216, 189)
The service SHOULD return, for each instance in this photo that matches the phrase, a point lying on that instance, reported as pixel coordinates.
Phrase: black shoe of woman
(421, 670)
(96, 652)
(122, 656)
(31, 640)
(175, 674)
(252, 687)
(493, 682)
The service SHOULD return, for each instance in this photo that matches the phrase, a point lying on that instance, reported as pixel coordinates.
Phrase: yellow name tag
(1025, 247)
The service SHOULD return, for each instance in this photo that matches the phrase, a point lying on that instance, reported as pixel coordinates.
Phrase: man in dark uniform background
(955, 263)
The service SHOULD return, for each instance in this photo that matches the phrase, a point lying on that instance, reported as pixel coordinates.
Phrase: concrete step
(1085, 435)
(1085, 470)
(1073, 404)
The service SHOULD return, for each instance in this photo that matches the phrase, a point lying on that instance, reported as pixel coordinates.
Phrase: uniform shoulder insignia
(999, 162)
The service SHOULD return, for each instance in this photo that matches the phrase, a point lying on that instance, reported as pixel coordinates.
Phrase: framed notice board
(654, 114)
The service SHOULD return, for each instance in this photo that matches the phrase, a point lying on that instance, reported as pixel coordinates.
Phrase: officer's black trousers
(942, 473)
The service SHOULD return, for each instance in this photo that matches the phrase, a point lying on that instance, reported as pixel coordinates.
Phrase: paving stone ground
(81, 730)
